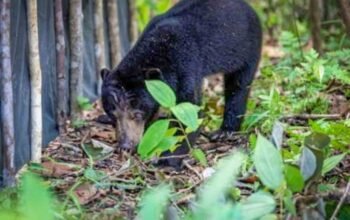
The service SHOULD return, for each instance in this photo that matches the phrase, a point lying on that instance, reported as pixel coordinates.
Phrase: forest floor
(92, 179)
(83, 167)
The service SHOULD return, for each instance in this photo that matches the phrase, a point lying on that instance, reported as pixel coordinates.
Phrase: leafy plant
(146, 9)
(211, 202)
(84, 103)
(161, 136)
(35, 202)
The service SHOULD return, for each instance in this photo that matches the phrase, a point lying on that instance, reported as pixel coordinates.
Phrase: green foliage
(146, 9)
(187, 113)
(294, 179)
(159, 137)
(331, 162)
(162, 93)
(154, 203)
(257, 206)
(35, 202)
(210, 203)
(84, 103)
(268, 163)
(153, 137)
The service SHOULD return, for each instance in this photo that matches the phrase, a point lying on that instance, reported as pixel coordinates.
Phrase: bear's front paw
(125, 148)
(222, 135)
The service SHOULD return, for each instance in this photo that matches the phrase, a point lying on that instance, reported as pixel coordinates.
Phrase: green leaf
(94, 175)
(36, 201)
(167, 143)
(199, 155)
(211, 194)
(330, 163)
(162, 93)
(257, 205)
(268, 163)
(154, 202)
(187, 113)
(84, 103)
(289, 203)
(307, 163)
(153, 136)
(317, 141)
(295, 181)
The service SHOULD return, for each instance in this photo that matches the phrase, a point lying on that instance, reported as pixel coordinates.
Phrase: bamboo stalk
(35, 81)
(100, 44)
(6, 94)
(76, 64)
(316, 8)
(133, 27)
(60, 68)
(113, 31)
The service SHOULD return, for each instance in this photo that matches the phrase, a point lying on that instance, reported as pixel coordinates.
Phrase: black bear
(194, 39)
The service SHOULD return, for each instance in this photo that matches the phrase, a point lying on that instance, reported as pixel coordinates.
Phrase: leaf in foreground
(153, 136)
(268, 163)
(209, 205)
(257, 205)
(161, 92)
(36, 201)
(295, 181)
(331, 162)
(154, 203)
(187, 113)
(307, 163)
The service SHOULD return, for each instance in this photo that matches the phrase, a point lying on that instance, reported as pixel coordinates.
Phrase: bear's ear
(153, 73)
(105, 73)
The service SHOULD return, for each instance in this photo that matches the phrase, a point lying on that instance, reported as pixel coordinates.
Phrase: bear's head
(129, 106)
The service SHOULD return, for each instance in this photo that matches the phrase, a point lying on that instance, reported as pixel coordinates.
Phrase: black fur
(192, 40)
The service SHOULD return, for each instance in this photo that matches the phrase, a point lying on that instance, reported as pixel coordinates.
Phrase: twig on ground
(313, 116)
(188, 166)
(341, 202)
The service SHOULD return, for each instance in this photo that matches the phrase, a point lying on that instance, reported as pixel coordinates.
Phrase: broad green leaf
(268, 163)
(317, 141)
(154, 202)
(36, 201)
(330, 163)
(210, 195)
(307, 163)
(258, 205)
(187, 113)
(199, 155)
(167, 143)
(153, 136)
(171, 132)
(162, 93)
(295, 181)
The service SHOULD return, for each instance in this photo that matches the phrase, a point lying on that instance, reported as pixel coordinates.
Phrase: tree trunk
(316, 9)
(60, 68)
(345, 13)
(76, 43)
(99, 42)
(133, 28)
(6, 95)
(35, 81)
(113, 30)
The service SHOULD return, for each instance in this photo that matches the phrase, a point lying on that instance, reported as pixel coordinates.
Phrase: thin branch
(341, 202)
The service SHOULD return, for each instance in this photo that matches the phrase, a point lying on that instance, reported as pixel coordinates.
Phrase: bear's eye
(138, 116)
